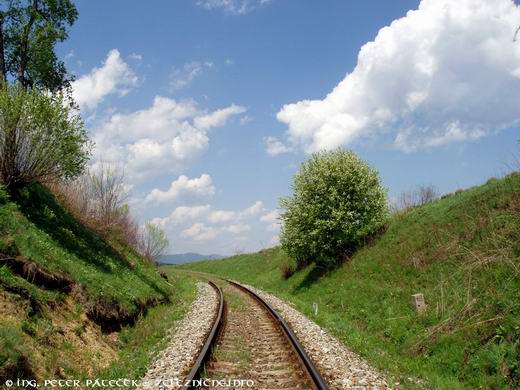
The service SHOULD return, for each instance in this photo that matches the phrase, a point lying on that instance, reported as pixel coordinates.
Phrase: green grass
(140, 343)
(48, 235)
(462, 252)
(45, 333)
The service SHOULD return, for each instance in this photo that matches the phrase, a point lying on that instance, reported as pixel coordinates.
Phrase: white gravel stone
(340, 367)
(185, 342)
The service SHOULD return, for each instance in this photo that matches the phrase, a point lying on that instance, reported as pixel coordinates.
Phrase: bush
(97, 198)
(153, 242)
(421, 196)
(338, 202)
(41, 137)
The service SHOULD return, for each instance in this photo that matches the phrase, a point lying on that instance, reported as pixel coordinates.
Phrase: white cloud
(272, 219)
(222, 216)
(115, 76)
(237, 228)
(273, 146)
(201, 186)
(183, 76)
(200, 232)
(234, 7)
(160, 138)
(201, 223)
(219, 117)
(182, 214)
(136, 56)
(448, 71)
(255, 209)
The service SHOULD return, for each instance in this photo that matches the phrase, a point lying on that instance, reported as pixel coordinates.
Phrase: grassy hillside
(462, 252)
(66, 293)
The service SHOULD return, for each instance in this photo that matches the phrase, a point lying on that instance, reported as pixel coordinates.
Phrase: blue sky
(211, 105)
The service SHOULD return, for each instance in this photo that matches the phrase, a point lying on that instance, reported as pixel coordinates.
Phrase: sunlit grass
(462, 252)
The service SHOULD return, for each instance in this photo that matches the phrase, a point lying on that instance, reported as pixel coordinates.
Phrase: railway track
(251, 347)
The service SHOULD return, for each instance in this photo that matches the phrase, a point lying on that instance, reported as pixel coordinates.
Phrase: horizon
(211, 121)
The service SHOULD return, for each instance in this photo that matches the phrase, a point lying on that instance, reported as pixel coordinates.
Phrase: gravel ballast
(186, 340)
(340, 367)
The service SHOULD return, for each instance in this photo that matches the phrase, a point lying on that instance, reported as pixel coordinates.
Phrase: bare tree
(419, 197)
(108, 193)
(98, 198)
(426, 194)
(153, 242)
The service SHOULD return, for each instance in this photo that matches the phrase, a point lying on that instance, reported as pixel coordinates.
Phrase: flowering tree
(338, 202)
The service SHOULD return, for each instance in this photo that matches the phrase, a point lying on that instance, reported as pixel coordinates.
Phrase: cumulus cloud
(115, 76)
(234, 7)
(162, 137)
(182, 214)
(201, 186)
(200, 232)
(272, 219)
(237, 228)
(202, 223)
(219, 117)
(255, 209)
(181, 77)
(274, 147)
(224, 216)
(448, 71)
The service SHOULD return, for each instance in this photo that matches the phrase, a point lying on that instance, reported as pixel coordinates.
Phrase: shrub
(421, 196)
(108, 193)
(97, 198)
(338, 202)
(41, 137)
(153, 241)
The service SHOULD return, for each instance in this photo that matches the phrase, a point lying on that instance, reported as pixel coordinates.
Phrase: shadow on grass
(314, 275)
(41, 208)
(318, 271)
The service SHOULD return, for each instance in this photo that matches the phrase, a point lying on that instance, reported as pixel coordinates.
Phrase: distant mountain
(182, 258)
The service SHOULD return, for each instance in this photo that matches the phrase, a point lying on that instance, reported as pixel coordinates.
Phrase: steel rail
(317, 380)
(205, 352)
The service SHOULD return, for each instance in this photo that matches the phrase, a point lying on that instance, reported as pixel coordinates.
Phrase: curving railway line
(251, 347)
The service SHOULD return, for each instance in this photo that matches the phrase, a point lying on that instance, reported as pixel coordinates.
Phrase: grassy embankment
(462, 252)
(73, 304)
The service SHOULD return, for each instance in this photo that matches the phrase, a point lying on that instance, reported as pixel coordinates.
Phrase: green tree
(338, 202)
(29, 31)
(41, 137)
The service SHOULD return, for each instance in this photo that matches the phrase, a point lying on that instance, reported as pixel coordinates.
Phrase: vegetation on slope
(65, 291)
(139, 344)
(462, 252)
